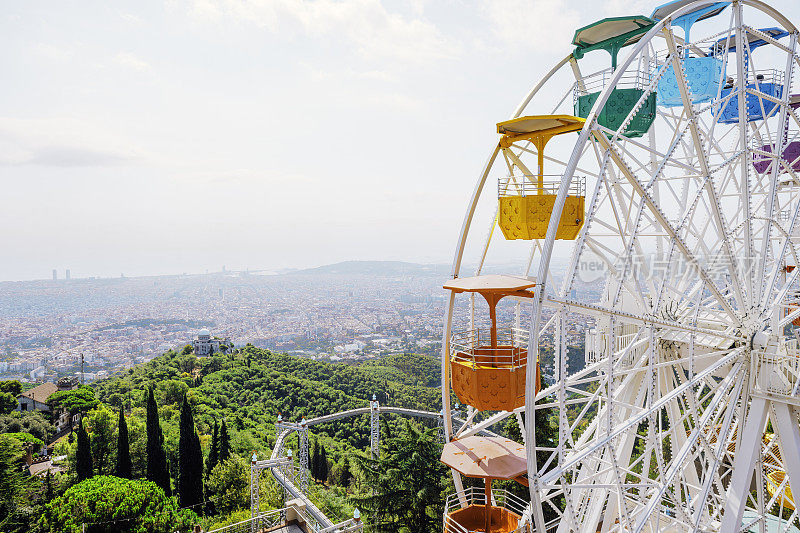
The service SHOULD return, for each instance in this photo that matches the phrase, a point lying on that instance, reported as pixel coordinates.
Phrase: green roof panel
(610, 34)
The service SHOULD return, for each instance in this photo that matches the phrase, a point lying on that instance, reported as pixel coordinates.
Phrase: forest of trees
(179, 432)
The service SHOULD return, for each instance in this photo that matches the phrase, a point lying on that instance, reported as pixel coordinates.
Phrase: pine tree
(407, 479)
(124, 466)
(83, 455)
(315, 461)
(323, 464)
(157, 467)
(213, 454)
(190, 460)
(224, 443)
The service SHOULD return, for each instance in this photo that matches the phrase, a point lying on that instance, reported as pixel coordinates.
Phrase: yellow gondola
(526, 201)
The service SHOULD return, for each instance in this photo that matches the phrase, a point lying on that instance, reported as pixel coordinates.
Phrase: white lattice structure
(692, 220)
(301, 428)
(287, 474)
(286, 464)
(374, 428)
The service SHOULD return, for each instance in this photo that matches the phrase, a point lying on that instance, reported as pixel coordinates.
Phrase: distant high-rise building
(68, 276)
(55, 274)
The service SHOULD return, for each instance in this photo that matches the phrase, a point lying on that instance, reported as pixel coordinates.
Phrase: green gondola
(612, 34)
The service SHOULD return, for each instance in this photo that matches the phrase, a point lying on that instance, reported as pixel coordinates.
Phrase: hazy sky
(166, 137)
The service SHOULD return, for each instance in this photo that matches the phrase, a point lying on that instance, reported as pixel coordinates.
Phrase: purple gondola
(791, 150)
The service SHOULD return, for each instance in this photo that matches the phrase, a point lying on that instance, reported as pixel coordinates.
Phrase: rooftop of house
(40, 393)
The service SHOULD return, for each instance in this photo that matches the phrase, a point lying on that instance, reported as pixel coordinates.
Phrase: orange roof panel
(490, 283)
(486, 457)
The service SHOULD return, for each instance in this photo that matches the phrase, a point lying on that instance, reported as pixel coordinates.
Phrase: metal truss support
(302, 436)
(744, 465)
(256, 467)
(788, 430)
(301, 429)
(440, 426)
(374, 428)
(255, 506)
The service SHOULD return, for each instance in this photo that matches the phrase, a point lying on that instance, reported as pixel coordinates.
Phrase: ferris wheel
(654, 207)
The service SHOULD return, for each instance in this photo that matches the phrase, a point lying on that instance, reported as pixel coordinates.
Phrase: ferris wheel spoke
(779, 148)
(666, 158)
(679, 461)
(574, 306)
(582, 454)
(787, 432)
(669, 228)
(743, 464)
(702, 159)
(744, 162)
(569, 277)
(717, 456)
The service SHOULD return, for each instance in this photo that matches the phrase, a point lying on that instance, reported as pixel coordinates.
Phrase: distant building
(37, 373)
(67, 383)
(351, 347)
(55, 274)
(35, 399)
(68, 274)
(204, 344)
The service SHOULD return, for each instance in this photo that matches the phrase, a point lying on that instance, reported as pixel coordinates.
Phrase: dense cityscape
(351, 310)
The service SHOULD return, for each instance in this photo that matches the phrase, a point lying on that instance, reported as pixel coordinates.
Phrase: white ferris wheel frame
(746, 456)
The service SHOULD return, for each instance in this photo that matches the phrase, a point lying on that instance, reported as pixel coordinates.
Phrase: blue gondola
(770, 83)
(704, 73)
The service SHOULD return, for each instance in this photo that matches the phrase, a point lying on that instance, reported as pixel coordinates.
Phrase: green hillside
(252, 387)
(231, 402)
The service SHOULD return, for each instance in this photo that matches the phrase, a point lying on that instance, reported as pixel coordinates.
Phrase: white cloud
(544, 25)
(614, 8)
(129, 60)
(132, 19)
(396, 101)
(376, 33)
(62, 142)
(54, 53)
(349, 75)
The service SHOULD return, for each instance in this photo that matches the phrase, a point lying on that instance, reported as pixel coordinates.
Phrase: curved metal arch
(457, 259)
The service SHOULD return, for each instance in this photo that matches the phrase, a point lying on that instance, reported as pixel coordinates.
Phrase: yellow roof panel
(546, 124)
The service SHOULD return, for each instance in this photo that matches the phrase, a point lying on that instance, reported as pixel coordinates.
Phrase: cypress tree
(315, 461)
(347, 475)
(213, 454)
(157, 468)
(224, 443)
(48, 492)
(323, 464)
(124, 466)
(190, 460)
(83, 455)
